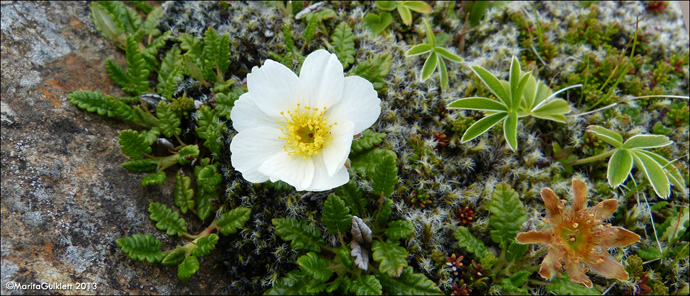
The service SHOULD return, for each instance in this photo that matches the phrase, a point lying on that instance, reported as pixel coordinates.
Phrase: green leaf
(507, 215)
(116, 73)
(208, 120)
(419, 49)
(314, 266)
(170, 73)
(175, 257)
(287, 36)
(95, 101)
(209, 177)
(343, 41)
(192, 45)
(153, 179)
(336, 215)
(184, 194)
(510, 130)
(187, 268)
(673, 173)
(482, 126)
(143, 248)
(168, 120)
(563, 286)
(387, 5)
(374, 69)
(553, 110)
(477, 12)
(654, 171)
(493, 84)
(137, 72)
(106, 21)
(429, 66)
(302, 237)
(205, 245)
(647, 141)
(150, 25)
(225, 102)
(310, 29)
(514, 81)
(354, 198)
(231, 221)
(399, 229)
(133, 144)
(366, 142)
(385, 177)
(444, 53)
(382, 218)
(168, 220)
(607, 135)
(520, 277)
(409, 283)
(520, 87)
(619, 167)
(367, 285)
(202, 202)
(652, 253)
(295, 283)
(140, 165)
(187, 154)
(418, 6)
(405, 15)
(478, 103)
(444, 73)
(376, 23)
(391, 257)
(364, 164)
(677, 226)
(515, 251)
(470, 243)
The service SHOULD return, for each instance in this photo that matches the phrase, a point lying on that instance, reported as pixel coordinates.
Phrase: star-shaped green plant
(404, 8)
(522, 96)
(435, 59)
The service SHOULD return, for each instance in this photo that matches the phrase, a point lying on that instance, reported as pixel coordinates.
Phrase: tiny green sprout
(522, 96)
(404, 8)
(435, 59)
(659, 171)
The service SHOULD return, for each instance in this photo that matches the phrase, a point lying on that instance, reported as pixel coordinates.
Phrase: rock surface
(65, 197)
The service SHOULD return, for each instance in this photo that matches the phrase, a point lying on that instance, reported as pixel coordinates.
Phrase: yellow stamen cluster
(306, 131)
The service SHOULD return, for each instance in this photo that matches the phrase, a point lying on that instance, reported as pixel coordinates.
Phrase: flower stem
(594, 158)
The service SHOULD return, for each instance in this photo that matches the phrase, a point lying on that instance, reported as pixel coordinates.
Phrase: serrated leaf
(367, 285)
(478, 103)
(429, 66)
(143, 248)
(232, 220)
(336, 215)
(136, 69)
(225, 102)
(168, 220)
(619, 167)
(652, 253)
(376, 23)
(202, 201)
(385, 177)
(343, 41)
(187, 154)
(354, 198)
(106, 22)
(153, 179)
(361, 255)
(507, 215)
(310, 29)
(470, 243)
(184, 194)
(399, 229)
(482, 126)
(116, 73)
(209, 177)
(206, 245)
(214, 140)
(391, 257)
(140, 165)
(409, 283)
(364, 164)
(563, 286)
(302, 237)
(216, 54)
(187, 268)
(360, 231)
(208, 120)
(133, 144)
(314, 266)
(150, 25)
(677, 227)
(95, 101)
(192, 45)
(175, 257)
(366, 142)
(385, 213)
(374, 69)
(170, 73)
(150, 53)
(607, 135)
(516, 250)
(168, 120)
(295, 283)
(654, 171)
(520, 277)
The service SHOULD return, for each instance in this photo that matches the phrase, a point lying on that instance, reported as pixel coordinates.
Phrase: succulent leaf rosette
(579, 237)
(298, 129)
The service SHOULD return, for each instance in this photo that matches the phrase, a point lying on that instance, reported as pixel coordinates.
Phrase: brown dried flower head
(579, 237)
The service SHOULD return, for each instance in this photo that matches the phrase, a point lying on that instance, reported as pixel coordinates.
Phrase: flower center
(306, 131)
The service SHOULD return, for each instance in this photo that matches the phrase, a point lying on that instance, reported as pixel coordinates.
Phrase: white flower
(299, 129)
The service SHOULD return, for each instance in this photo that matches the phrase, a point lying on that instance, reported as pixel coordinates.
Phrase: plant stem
(210, 229)
(594, 158)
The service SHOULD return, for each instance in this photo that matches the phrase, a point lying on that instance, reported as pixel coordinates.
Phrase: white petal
(322, 75)
(297, 172)
(336, 152)
(360, 104)
(246, 115)
(275, 88)
(322, 179)
(251, 148)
